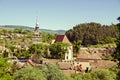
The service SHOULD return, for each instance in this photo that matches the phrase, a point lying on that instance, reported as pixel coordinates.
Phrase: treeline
(93, 33)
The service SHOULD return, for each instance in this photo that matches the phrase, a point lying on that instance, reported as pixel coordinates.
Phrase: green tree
(5, 73)
(118, 75)
(29, 73)
(103, 74)
(40, 49)
(76, 46)
(109, 39)
(82, 76)
(91, 33)
(118, 19)
(58, 49)
(47, 37)
(117, 55)
(18, 30)
(52, 72)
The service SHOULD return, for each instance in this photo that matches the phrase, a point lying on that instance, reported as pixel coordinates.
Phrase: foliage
(58, 49)
(4, 69)
(22, 31)
(47, 37)
(107, 56)
(118, 75)
(102, 74)
(18, 30)
(103, 45)
(29, 73)
(82, 76)
(117, 55)
(92, 33)
(118, 18)
(18, 51)
(44, 72)
(109, 40)
(40, 49)
(76, 46)
(52, 72)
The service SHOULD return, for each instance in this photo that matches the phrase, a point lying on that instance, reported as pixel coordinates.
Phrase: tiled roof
(62, 38)
(59, 38)
(65, 65)
(102, 64)
(88, 56)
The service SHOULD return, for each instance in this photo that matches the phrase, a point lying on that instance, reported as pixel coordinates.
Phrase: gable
(62, 38)
(65, 40)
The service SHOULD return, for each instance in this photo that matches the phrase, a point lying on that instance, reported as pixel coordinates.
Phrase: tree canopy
(29, 73)
(117, 55)
(92, 33)
(4, 69)
(58, 49)
(76, 46)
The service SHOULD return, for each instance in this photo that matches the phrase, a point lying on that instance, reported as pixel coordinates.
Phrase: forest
(93, 33)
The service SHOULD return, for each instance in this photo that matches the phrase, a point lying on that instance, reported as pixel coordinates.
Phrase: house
(84, 65)
(64, 39)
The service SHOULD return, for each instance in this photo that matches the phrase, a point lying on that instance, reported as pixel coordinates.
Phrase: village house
(64, 39)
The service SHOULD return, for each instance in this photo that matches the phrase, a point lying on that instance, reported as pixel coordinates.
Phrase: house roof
(59, 38)
(88, 56)
(62, 38)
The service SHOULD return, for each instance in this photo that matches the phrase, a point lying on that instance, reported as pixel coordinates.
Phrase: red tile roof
(59, 38)
(62, 38)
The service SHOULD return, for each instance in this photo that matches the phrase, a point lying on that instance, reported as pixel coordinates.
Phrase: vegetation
(58, 49)
(5, 72)
(102, 74)
(76, 46)
(52, 72)
(29, 73)
(47, 37)
(39, 49)
(93, 33)
(44, 72)
(117, 55)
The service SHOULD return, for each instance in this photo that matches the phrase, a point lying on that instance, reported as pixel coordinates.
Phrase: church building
(37, 36)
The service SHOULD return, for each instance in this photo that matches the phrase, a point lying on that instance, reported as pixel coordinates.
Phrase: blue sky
(58, 14)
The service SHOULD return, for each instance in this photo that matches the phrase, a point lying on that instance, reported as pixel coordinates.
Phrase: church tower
(37, 36)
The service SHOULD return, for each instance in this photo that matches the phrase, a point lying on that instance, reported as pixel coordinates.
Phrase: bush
(103, 74)
(52, 72)
(5, 69)
(29, 73)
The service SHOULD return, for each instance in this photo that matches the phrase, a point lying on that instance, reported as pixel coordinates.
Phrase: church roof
(59, 38)
(62, 38)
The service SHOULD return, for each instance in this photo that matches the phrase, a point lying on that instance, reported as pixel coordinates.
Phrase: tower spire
(37, 37)
(37, 22)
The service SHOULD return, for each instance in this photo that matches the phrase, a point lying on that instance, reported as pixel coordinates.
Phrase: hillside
(93, 33)
(31, 28)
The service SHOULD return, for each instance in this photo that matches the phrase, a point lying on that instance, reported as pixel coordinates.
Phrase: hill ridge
(31, 28)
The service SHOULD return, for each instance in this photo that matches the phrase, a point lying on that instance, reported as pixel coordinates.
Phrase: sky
(58, 14)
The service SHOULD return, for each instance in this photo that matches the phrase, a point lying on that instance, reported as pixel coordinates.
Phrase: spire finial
(37, 21)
